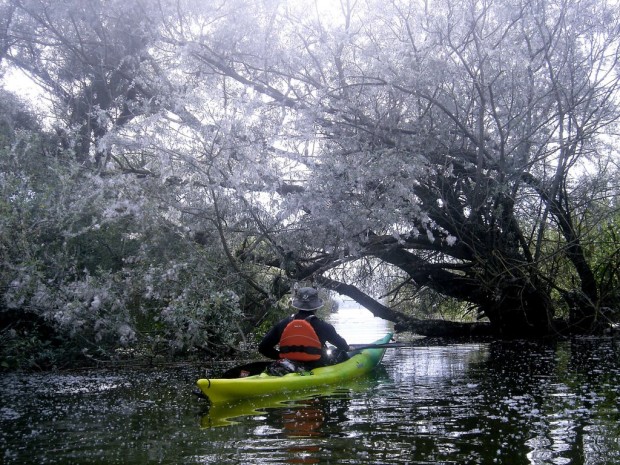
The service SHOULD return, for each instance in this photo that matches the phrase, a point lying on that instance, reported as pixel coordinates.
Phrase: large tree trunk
(519, 310)
(430, 328)
(514, 304)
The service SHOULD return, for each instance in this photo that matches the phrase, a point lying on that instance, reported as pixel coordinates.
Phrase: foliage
(30, 349)
(219, 153)
(94, 261)
(604, 251)
(428, 304)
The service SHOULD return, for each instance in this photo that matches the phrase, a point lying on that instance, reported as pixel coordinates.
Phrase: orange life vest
(300, 342)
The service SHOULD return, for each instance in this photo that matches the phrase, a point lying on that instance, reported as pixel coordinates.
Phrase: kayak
(230, 413)
(361, 362)
(220, 390)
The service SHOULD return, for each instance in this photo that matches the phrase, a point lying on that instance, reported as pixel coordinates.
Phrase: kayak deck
(221, 390)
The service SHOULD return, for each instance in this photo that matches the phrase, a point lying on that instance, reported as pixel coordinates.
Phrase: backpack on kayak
(300, 342)
(285, 366)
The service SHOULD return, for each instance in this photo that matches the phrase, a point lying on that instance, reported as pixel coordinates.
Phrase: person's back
(300, 342)
(302, 337)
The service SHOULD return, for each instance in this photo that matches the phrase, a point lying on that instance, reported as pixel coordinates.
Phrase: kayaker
(302, 336)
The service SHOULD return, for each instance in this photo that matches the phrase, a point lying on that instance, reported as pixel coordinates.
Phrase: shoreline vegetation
(185, 165)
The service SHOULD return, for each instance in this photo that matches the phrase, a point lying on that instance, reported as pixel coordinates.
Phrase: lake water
(487, 403)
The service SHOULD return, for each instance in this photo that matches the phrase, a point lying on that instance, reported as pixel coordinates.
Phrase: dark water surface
(504, 403)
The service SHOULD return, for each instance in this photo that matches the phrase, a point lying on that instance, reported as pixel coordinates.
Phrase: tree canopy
(379, 149)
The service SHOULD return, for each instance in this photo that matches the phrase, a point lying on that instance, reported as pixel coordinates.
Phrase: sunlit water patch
(358, 325)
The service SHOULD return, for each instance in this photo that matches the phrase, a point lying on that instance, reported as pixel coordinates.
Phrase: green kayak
(222, 390)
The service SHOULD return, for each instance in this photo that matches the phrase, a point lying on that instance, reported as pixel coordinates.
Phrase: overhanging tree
(444, 141)
(432, 144)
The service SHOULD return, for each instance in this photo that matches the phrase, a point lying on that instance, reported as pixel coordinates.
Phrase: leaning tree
(378, 146)
(435, 138)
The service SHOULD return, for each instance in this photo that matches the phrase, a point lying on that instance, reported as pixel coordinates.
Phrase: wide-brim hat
(307, 298)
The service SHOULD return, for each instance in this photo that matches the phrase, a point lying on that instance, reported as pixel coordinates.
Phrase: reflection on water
(497, 403)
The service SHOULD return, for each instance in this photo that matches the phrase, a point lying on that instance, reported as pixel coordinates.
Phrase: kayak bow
(221, 390)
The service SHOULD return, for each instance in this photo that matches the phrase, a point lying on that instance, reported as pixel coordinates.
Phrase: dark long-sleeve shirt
(325, 331)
